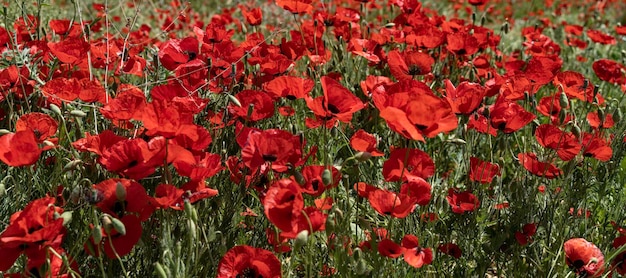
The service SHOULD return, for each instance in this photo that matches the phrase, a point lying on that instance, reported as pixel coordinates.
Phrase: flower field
(306, 138)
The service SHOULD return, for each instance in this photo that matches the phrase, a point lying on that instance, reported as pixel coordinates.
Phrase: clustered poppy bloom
(413, 254)
(248, 261)
(462, 202)
(583, 257)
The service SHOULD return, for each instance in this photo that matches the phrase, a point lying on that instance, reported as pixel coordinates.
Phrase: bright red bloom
(247, 261)
(312, 175)
(600, 37)
(536, 167)
(19, 149)
(462, 202)
(480, 123)
(62, 89)
(31, 231)
(386, 202)
(337, 103)
(483, 171)
(128, 104)
(255, 106)
(415, 255)
(610, 71)
(133, 158)
(296, 6)
(253, 16)
(289, 87)
(619, 262)
(283, 204)
(365, 142)
(136, 203)
(405, 163)
(584, 257)
(575, 85)
(273, 146)
(42, 125)
(509, 116)
(390, 249)
(465, 98)
(70, 50)
(450, 249)
(593, 118)
(525, 236)
(565, 143)
(597, 147)
(409, 64)
(122, 243)
(462, 43)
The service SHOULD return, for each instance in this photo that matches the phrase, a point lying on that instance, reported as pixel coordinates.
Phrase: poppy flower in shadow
(414, 254)
(248, 261)
(483, 171)
(538, 168)
(462, 202)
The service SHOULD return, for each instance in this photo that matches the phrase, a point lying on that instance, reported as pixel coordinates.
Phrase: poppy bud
(56, 109)
(327, 178)
(3, 189)
(118, 226)
(78, 113)
(96, 233)
(159, 270)
(67, 217)
(457, 141)
(363, 156)
(120, 192)
(576, 130)
(72, 165)
(4, 131)
(75, 195)
(301, 239)
(505, 28)
(190, 211)
(563, 101)
(602, 116)
(234, 100)
(562, 115)
(250, 110)
(107, 223)
(596, 88)
(191, 226)
(361, 267)
(617, 116)
(299, 177)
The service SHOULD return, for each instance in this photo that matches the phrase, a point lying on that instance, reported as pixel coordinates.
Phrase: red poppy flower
(550, 106)
(415, 255)
(202, 166)
(365, 142)
(462, 202)
(19, 149)
(450, 249)
(116, 244)
(310, 219)
(610, 71)
(525, 236)
(409, 64)
(596, 147)
(128, 104)
(481, 124)
(465, 98)
(536, 167)
(619, 262)
(600, 37)
(97, 144)
(167, 195)
(136, 202)
(283, 204)
(386, 202)
(175, 52)
(477, 2)
(509, 116)
(42, 125)
(337, 103)
(289, 87)
(133, 158)
(388, 248)
(426, 35)
(417, 189)
(575, 85)
(404, 163)
(584, 257)
(253, 16)
(276, 147)
(462, 43)
(31, 231)
(70, 50)
(312, 175)
(565, 143)
(368, 49)
(296, 6)
(483, 171)
(62, 88)
(255, 106)
(595, 122)
(247, 261)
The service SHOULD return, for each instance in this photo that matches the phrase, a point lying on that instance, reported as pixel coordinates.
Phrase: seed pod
(234, 100)
(576, 130)
(67, 217)
(72, 165)
(56, 109)
(107, 223)
(301, 239)
(191, 226)
(120, 192)
(602, 116)
(78, 113)
(327, 178)
(563, 101)
(118, 226)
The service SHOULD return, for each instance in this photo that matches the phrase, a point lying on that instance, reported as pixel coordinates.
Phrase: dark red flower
(583, 257)
(462, 202)
(610, 71)
(619, 262)
(600, 37)
(296, 6)
(254, 106)
(116, 244)
(42, 125)
(338, 103)
(133, 158)
(567, 146)
(415, 255)
(450, 249)
(536, 167)
(597, 147)
(574, 85)
(253, 16)
(275, 147)
(524, 236)
(314, 185)
(128, 104)
(409, 64)
(509, 116)
(387, 202)
(136, 202)
(462, 43)
(405, 163)
(70, 50)
(32, 231)
(283, 204)
(465, 98)
(289, 87)
(388, 248)
(483, 171)
(19, 149)
(247, 261)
